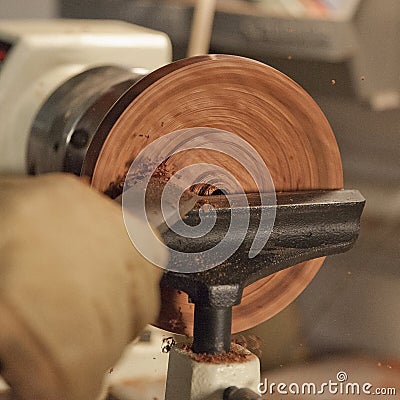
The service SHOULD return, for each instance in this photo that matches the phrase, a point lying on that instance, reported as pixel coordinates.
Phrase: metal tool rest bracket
(307, 225)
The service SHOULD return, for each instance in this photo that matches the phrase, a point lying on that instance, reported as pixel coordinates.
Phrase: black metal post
(234, 393)
(212, 329)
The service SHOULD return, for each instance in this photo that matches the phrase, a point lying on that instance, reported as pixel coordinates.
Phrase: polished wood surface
(260, 105)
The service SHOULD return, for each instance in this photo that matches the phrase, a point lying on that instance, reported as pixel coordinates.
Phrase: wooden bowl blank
(259, 104)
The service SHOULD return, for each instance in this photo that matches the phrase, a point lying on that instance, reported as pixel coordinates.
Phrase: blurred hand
(73, 289)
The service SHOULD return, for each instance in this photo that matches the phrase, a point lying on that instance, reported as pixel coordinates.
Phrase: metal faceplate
(69, 120)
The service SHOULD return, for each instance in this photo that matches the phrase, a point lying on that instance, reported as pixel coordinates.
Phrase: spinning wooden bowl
(260, 105)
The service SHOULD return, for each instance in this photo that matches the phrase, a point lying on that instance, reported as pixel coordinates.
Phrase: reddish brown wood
(262, 106)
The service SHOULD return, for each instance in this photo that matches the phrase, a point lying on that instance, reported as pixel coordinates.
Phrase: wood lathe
(88, 97)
